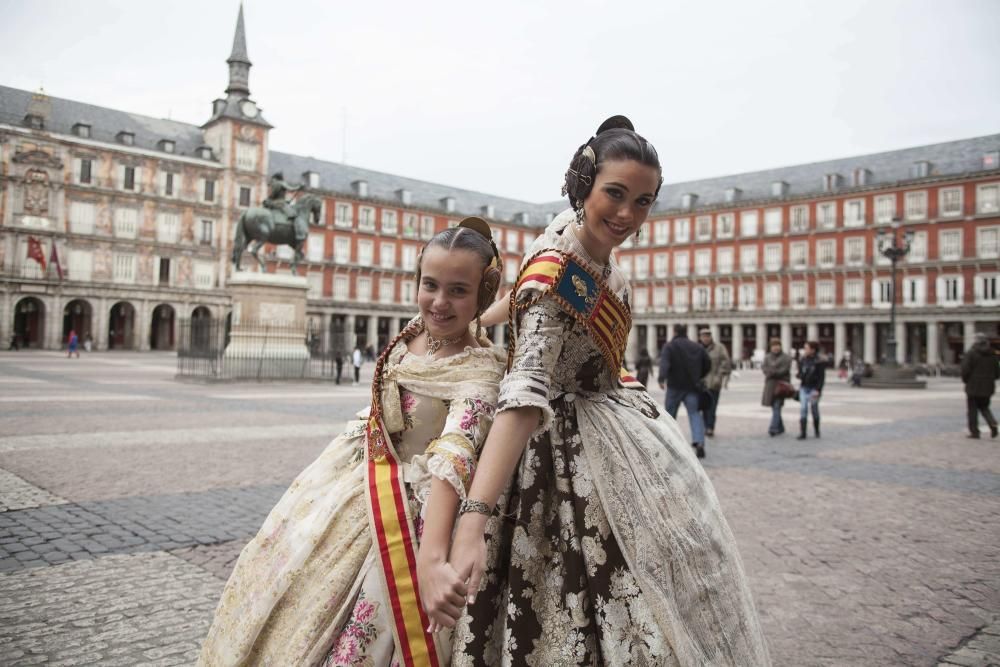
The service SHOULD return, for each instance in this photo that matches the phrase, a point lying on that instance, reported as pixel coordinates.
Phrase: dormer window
(405, 196)
(311, 179)
(166, 145)
(487, 211)
(733, 194)
(448, 204)
(831, 182)
(861, 176)
(523, 218)
(35, 122)
(360, 188)
(991, 160)
(779, 189)
(689, 201)
(204, 152)
(82, 130)
(920, 169)
(125, 138)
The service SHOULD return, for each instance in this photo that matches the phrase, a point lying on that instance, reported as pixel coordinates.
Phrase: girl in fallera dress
(608, 545)
(331, 578)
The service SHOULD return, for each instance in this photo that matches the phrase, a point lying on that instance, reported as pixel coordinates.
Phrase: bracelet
(475, 506)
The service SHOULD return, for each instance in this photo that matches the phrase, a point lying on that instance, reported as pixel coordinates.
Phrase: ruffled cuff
(452, 458)
(523, 392)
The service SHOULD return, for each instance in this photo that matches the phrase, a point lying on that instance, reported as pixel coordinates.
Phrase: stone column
(786, 337)
(54, 324)
(812, 331)
(632, 346)
(761, 336)
(142, 327)
(737, 342)
(651, 340)
(373, 332)
(393, 328)
(714, 328)
(870, 351)
(839, 340)
(6, 320)
(968, 333)
(901, 341)
(101, 314)
(350, 339)
(933, 356)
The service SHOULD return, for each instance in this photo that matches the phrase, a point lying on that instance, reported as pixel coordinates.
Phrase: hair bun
(478, 225)
(616, 123)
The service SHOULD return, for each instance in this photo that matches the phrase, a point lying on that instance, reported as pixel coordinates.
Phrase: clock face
(248, 108)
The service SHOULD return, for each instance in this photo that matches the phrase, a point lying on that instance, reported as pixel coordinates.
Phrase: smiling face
(618, 204)
(447, 294)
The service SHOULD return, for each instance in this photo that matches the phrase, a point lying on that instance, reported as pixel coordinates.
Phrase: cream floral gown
(610, 547)
(307, 589)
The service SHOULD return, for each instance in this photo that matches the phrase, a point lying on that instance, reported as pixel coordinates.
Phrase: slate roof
(890, 167)
(887, 168)
(338, 177)
(104, 123)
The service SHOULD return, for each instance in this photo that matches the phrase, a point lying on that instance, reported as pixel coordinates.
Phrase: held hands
(468, 553)
(442, 592)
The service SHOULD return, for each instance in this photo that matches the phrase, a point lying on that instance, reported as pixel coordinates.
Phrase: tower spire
(239, 61)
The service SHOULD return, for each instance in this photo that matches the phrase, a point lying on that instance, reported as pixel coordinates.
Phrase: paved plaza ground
(126, 496)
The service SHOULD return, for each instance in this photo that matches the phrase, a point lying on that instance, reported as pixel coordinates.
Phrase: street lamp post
(893, 249)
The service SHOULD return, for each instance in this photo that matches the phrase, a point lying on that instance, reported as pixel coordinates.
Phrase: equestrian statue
(278, 221)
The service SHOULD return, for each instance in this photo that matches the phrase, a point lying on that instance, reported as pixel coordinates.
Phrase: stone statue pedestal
(893, 377)
(268, 335)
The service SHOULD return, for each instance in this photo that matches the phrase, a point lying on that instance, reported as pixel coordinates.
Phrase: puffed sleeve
(541, 329)
(453, 455)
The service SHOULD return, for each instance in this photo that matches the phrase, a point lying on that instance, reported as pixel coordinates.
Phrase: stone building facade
(141, 213)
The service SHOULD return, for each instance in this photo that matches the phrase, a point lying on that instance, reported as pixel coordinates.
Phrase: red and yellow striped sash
(583, 295)
(396, 541)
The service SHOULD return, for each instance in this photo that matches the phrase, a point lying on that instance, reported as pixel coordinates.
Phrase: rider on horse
(281, 210)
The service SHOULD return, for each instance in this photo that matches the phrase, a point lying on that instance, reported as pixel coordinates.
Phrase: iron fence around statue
(202, 352)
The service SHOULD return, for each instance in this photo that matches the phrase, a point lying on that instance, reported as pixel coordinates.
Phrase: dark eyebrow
(618, 185)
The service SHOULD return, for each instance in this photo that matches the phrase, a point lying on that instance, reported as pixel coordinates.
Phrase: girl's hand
(468, 553)
(442, 592)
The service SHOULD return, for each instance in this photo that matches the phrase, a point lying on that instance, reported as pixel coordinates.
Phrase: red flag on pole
(54, 260)
(35, 251)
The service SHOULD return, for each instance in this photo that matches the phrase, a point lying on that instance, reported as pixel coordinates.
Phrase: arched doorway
(202, 330)
(77, 316)
(161, 331)
(29, 322)
(121, 326)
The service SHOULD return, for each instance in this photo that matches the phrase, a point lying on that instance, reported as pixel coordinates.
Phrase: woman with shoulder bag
(777, 368)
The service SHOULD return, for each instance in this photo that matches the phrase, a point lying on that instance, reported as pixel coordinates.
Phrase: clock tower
(237, 135)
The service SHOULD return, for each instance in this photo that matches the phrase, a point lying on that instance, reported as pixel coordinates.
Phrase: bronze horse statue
(258, 225)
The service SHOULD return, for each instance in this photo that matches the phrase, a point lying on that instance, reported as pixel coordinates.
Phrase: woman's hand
(442, 592)
(468, 553)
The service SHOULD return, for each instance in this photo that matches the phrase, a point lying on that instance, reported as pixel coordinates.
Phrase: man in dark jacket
(683, 363)
(979, 373)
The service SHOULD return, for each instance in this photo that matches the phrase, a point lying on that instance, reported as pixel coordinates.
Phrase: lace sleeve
(453, 455)
(540, 334)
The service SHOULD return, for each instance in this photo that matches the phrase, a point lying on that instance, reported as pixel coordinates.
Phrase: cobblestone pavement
(126, 497)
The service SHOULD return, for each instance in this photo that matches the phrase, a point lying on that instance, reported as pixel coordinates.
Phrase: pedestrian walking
(88, 342)
(980, 371)
(683, 364)
(73, 344)
(358, 358)
(812, 374)
(777, 368)
(717, 378)
(643, 366)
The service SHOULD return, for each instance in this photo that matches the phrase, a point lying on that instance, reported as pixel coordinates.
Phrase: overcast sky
(496, 97)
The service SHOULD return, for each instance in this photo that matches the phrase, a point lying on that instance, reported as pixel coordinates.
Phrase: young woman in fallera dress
(608, 546)
(331, 578)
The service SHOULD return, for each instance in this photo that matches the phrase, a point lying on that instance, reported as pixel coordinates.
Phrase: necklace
(435, 344)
